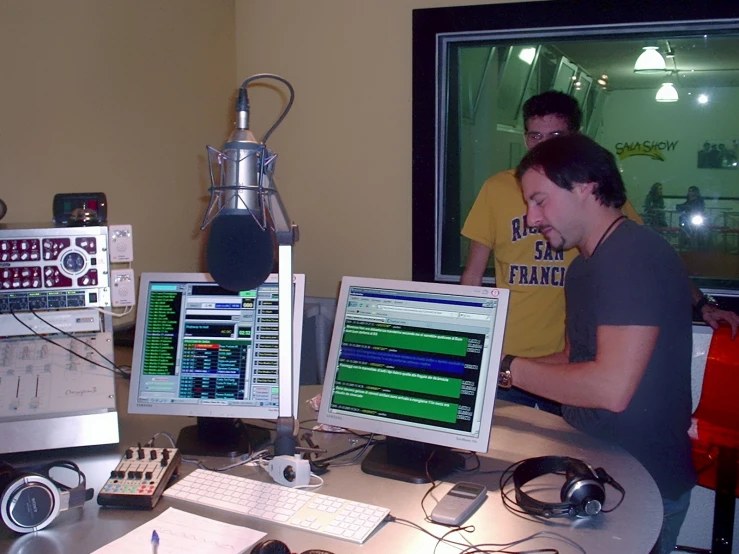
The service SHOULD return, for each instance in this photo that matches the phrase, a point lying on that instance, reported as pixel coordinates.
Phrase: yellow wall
(118, 96)
(122, 96)
(344, 167)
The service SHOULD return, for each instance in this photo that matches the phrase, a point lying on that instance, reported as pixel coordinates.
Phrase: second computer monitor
(416, 362)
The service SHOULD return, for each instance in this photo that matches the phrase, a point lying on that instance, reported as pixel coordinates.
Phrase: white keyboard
(326, 515)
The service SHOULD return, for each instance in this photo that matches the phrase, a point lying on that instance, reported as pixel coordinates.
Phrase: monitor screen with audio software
(417, 363)
(201, 350)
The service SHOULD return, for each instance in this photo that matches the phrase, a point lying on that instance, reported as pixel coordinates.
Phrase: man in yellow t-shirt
(525, 263)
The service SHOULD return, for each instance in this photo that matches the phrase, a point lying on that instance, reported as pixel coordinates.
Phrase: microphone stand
(287, 433)
(286, 234)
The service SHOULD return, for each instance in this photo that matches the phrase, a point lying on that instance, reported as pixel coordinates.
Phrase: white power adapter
(291, 471)
(121, 243)
(123, 288)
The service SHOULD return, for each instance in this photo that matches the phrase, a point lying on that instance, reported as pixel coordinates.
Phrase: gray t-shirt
(636, 278)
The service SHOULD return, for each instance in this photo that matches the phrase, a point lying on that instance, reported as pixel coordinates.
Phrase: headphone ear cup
(270, 546)
(575, 472)
(29, 502)
(583, 489)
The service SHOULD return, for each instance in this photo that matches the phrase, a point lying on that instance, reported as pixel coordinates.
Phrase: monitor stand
(405, 460)
(221, 437)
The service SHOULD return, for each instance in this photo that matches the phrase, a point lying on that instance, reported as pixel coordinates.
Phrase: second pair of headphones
(583, 492)
(30, 498)
(278, 547)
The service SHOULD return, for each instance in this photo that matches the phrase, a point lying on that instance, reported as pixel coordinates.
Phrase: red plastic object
(716, 420)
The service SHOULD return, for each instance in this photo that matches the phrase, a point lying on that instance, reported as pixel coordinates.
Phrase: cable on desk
(475, 457)
(434, 484)
(300, 424)
(442, 539)
(257, 458)
(251, 457)
(370, 440)
(469, 548)
(485, 547)
(114, 368)
(150, 442)
(342, 432)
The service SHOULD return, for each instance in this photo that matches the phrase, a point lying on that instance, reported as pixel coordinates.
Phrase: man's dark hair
(554, 102)
(574, 159)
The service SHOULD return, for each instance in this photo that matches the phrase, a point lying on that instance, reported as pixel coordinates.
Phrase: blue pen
(154, 542)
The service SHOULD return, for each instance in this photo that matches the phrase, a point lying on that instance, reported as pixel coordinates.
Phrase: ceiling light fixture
(650, 61)
(667, 93)
(527, 55)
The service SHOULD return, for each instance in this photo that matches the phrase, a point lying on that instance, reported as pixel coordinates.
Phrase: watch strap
(505, 363)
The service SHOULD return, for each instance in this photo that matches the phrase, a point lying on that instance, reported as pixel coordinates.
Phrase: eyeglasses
(535, 136)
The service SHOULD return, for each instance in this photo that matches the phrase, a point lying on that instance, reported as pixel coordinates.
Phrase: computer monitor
(418, 363)
(201, 350)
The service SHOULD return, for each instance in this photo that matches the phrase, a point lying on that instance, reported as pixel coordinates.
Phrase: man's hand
(713, 316)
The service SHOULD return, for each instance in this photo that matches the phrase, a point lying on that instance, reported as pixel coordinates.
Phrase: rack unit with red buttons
(45, 268)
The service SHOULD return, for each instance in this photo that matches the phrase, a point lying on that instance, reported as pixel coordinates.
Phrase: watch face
(504, 379)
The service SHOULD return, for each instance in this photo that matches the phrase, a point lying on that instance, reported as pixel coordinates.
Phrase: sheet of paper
(185, 533)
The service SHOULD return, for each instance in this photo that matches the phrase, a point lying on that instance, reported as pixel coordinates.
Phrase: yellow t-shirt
(525, 264)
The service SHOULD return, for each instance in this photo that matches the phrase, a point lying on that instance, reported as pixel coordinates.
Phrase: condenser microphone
(247, 228)
(241, 244)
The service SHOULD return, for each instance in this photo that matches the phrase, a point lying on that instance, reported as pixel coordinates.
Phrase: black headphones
(583, 492)
(278, 547)
(30, 499)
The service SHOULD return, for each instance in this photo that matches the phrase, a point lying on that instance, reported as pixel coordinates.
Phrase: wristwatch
(704, 301)
(505, 379)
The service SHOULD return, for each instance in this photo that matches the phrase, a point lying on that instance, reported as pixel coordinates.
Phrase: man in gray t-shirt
(624, 375)
(636, 279)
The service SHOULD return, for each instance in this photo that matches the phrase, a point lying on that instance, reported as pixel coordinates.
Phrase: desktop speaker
(30, 499)
(583, 492)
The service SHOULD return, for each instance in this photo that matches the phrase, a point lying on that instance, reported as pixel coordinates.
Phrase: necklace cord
(605, 234)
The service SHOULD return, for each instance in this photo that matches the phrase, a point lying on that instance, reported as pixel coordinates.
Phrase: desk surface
(518, 433)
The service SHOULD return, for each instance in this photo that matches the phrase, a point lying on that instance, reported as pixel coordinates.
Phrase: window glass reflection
(674, 132)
